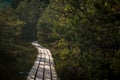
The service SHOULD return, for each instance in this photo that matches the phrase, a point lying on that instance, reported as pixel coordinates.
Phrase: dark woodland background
(83, 36)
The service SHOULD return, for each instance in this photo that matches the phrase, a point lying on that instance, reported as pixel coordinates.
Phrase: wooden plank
(32, 72)
(43, 68)
(54, 75)
(47, 73)
(53, 72)
(40, 75)
(48, 51)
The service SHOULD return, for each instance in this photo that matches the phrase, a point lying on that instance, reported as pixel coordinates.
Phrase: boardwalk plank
(43, 68)
(54, 75)
(32, 73)
(47, 75)
(39, 75)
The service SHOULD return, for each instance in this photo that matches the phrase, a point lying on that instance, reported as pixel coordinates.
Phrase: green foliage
(85, 33)
(14, 54)
(16, 61)
(29, 11)
(16, 24)
(10, 27)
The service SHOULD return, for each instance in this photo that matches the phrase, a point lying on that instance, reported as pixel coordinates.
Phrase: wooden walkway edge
(43, 68)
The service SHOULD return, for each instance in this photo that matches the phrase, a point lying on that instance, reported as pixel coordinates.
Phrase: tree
(96, 23)
(29, 11)
(49, 22)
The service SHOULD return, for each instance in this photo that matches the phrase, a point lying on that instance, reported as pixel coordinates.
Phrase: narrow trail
(43, 68)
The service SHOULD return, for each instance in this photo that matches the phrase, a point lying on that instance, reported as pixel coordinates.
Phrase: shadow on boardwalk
(43, 68)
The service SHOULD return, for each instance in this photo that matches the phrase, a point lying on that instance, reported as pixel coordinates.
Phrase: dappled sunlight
(43, 68)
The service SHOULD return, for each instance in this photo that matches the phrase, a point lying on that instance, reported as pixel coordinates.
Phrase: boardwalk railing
(43, 68)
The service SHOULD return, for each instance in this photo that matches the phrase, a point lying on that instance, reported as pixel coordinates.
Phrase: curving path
(43, 68)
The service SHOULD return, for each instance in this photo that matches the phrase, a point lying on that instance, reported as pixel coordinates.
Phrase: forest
(83, 36)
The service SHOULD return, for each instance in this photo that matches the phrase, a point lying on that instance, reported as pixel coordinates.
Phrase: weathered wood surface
(43, 68)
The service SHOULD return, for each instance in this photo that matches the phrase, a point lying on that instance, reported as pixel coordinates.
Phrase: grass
(16, 64)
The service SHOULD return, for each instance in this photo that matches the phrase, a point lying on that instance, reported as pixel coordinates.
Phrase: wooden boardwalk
(43, 68)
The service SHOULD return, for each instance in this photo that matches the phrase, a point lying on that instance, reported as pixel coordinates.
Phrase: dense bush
(17, 56)
(86, 38)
